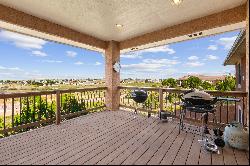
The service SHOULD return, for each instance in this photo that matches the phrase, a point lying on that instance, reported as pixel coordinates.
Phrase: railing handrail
(135, 87)
(176, 90)
(49, 92)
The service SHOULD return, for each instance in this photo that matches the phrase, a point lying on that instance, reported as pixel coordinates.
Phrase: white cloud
(78, 63)
(52, 61)
(193, 58)
(98, 63)
(212, 47)
(71, 54)
(138, 54)
(10, 72)
(131, 55)
(39, 53)
(165, 48)
(212, 57)
(2, 68)
(22, 41)
(194, 64)
(161, 61)
(142, 67)
(227, 42)
(150, 65)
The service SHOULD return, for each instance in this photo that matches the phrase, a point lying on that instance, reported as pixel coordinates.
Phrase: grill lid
(139, 95)
(196, 97)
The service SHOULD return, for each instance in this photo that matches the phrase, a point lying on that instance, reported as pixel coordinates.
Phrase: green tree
(37, 83)
(184, 84)
(229, 84)
(170, 82)
(1, 123)
(70, 104)
(152, 101)
(207, 86)
(194, 82)
(33, 111)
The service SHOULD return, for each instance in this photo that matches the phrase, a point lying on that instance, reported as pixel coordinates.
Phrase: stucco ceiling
(99, 17)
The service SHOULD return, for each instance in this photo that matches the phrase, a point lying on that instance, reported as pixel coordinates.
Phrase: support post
(247, 63)
(112, 78)
(161, 99)
(58, 108)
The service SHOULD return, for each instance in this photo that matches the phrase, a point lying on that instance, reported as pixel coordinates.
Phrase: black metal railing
(167, 99)
(24, 111)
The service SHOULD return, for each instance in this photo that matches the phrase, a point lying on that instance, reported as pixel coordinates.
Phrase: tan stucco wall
(247, 60)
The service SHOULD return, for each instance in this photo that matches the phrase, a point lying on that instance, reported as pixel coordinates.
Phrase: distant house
(237, 57)
(210, 79)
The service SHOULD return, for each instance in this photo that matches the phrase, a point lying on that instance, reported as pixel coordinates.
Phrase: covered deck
(112, 137)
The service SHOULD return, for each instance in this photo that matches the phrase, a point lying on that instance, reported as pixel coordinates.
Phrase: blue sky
(24, 57)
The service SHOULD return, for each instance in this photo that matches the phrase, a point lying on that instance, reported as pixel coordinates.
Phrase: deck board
(218, 159)
(109, 137)
(194, 153)
(173, 150)
(184, 150)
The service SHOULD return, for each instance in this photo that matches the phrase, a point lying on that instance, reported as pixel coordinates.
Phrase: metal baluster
(227, 110)
(81, 98)
(243, 112)
(51, 105)
(166, 101)
(221, 104)
(20, 111)
(61, 101)
(70, 107)
(13, 107)
(46, 101)
(40, 108)
(4, 113)
(27, 110)
(34, 109)
(175, 103)
(87, 100)
(235, 111)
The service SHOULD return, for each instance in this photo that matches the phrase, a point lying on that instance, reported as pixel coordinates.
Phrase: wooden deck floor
(111, 138)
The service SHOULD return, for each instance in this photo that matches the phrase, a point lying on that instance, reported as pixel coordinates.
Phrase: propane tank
(236, 136)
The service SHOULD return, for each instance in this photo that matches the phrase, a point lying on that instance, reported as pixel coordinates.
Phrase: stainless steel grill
(202, 102)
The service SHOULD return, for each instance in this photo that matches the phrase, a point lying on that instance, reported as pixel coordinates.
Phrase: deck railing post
(160, 99)
(58, 108)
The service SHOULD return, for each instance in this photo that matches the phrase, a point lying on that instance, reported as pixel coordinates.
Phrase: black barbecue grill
(139, 96)
(202, 102)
